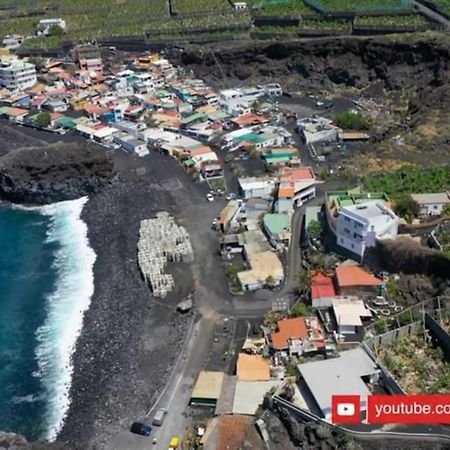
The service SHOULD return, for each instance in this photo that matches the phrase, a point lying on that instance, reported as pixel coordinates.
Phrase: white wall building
(131, 145)
(318, 129)
(45, 24)
(18, 75)
(432, 204)
(359, 226)
(256, 187)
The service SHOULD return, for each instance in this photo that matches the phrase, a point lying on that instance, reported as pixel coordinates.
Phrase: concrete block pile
(161, 241)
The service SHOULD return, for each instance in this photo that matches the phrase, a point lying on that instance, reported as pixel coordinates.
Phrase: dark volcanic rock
(12, 441)
(406, 63)
(55, 173)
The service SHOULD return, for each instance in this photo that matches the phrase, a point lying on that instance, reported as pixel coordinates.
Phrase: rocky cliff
(406, 62)
(54, 173)
(12, 441)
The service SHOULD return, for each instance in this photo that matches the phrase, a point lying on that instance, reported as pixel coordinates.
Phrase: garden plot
(417, 365)
(198, 6)
(409, 20)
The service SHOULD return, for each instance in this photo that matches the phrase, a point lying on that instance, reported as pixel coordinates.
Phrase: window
(435, 207)
(347, 219)
(353, 246)
(342, 240)
(346, 230)
(357, 236)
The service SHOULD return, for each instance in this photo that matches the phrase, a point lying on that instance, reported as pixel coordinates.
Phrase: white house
(18, 75)
(349, 315)
(45, 24)
(359, 226)
(131, 145)
(318, 129)
(432, 204)
(256, 187)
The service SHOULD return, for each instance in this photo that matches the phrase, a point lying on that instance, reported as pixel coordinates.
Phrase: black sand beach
(129, 341)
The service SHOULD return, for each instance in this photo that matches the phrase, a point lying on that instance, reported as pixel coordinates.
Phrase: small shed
(207, 389)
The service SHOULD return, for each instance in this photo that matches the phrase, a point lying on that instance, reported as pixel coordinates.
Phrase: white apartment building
(360, 226)
(256, 187)
(18, 75)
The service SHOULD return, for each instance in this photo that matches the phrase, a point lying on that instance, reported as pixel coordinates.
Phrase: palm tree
(304, 281)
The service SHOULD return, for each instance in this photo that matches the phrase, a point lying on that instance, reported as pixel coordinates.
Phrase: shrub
(352, 121)
(43, 119)
(406, 207)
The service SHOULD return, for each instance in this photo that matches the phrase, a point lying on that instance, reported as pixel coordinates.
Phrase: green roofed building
(278, 228)
(66, 122)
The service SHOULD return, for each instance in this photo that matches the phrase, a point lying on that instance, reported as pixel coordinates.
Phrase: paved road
(432, 14)
(176, 396)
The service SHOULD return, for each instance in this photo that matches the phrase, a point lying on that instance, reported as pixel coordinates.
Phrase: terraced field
(360, 5)
(410, 20)
(443, 5)
(96, 19)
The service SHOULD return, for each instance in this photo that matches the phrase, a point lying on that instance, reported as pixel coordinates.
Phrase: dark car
(140, 428)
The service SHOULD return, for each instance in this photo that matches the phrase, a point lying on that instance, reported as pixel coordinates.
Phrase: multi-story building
(297, 185)
(360, 226)
(18, 75)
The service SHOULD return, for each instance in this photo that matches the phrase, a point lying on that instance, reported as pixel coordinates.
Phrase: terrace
(417, 365)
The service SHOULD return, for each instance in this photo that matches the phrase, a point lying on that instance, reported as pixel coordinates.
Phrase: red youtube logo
(345, 409)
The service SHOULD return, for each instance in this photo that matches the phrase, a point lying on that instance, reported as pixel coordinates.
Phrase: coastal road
(177, 393)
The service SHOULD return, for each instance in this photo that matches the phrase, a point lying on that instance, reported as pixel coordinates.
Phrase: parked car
(159, 416)
(210, 197)
(231, 196)
(140, 428)
(174, 442)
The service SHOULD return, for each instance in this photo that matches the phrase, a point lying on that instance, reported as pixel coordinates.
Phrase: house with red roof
(299, 335)
(322, 290)
(354, 279)
(297, 186)
(288, 329)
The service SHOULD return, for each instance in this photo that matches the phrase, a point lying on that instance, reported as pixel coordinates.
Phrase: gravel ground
(129, 340)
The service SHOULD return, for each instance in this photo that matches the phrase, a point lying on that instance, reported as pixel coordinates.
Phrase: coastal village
(347, 328)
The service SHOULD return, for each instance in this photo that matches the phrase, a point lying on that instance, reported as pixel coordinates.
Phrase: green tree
(352, 121)
(315, 229)
(406, 207)
(381, 325)
(270, 282)
(43, 119)
(38, 61)
(446, 211)
(300, 309)
(55, 30)
(304, 280)
(254, 153)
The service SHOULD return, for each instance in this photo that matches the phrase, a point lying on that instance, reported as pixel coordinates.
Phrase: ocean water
(46, 283)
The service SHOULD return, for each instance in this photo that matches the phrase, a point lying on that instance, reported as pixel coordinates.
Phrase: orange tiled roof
(252, 368)
(15, 112)
(355, 276)
(288, 329)
(286, 192)
(200, 151)
(232, 431)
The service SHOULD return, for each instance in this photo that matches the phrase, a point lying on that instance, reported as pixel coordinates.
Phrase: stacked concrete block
(161, 241)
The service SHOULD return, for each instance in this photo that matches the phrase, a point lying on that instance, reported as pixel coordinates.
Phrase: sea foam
(74, 260)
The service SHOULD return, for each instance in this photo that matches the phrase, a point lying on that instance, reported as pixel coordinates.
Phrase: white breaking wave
(74, 287)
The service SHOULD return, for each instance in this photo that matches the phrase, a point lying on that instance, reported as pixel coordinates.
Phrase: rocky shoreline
(128, 343)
